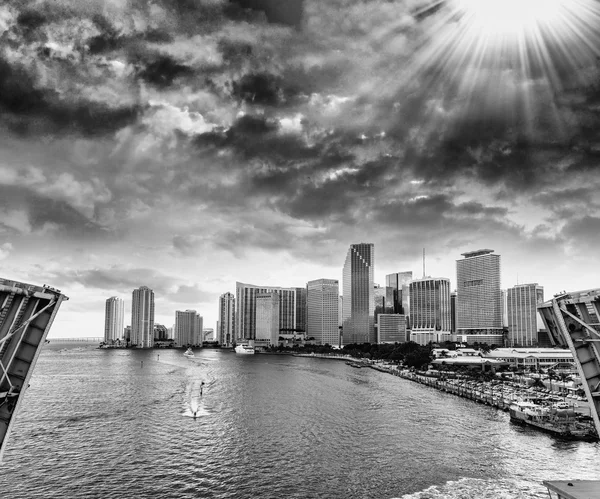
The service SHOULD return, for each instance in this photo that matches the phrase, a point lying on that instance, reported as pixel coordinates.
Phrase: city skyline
(192, 145)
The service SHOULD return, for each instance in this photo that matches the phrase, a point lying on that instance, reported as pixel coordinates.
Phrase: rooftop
(574, 489)
(479, 252)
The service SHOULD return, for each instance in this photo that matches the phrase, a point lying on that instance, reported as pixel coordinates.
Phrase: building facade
(358, 291)
(391, 328)
(430, 308)
(267, 318)
(521, 304)
(397, 294)
(478, 293)
(301, 318)
(323, 311)
(161, 332)
(226, 323)
(142, 317)
(245, 311)
(114, 319)
(188, 328)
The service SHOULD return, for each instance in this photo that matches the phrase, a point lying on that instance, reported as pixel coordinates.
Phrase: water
(95, 423)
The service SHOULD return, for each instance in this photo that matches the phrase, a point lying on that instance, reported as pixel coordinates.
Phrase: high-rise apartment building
(379, 297)
(188, 328)
(323, 311)
(114, 317)
(478, 294)
(359, 300)
(397, 294)
(267, 318)
(161, 333)
(391, 328)
(430, 304)
(453, 312)
(522, 301)
(226, 323)
(142, 317)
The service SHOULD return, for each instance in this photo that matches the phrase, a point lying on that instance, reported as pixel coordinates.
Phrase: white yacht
(189, 352)
(245, 349)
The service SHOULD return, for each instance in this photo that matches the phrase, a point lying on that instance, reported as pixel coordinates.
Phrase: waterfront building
(267, 319)
(226, 323)
(397, 292)
(208, 334)
(301, 317)
(114, 317)
(534, 358)
(391, 328)
(245, 312)
(522, 302)
(430, 305)
(323, 311)
(478, 294)
(161, 332)
(359, 301)
(188, 328)
(127, 333)
(142, 317)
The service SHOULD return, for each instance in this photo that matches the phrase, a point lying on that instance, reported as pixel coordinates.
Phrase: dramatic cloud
(186, 145)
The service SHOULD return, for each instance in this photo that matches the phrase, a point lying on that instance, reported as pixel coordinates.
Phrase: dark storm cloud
(162, 70)
(28, 109)
(287, 12)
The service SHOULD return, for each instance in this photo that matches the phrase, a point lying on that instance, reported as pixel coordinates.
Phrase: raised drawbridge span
(573, 320)
(26, 315)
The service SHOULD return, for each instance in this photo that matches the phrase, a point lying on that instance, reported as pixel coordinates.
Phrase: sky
(186, 145)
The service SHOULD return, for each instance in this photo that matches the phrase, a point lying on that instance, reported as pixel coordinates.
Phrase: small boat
(189, 353)
(245, 349)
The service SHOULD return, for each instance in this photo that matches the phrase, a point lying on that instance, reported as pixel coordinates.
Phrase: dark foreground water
(96, 424)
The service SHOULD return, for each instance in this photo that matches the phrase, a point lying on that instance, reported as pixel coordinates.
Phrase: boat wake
(488, 489)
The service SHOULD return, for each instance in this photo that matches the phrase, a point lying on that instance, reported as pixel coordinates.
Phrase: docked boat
(559, 422)
(245, 349)
(189, 352)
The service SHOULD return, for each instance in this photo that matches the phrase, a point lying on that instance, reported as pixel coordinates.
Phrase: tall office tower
(522, 302)
(245, 312)
(392, 328)
(430, 305)
(186, 324)
(359, 299)
(142, 317)
(322, 311)
(127, 333)
(114, 317)
(453, 312)
(267, 317)
(226, 324)
(478, 295)
(396, 288)
(300, 309)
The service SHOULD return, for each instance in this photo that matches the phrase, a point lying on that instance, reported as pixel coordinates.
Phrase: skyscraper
(396, 287)
(478, 294)
(267, 318)
(359, 299)
(226, 324)
(142, 317)
(245, 314)
(323, 311)
(188, 328)
(430, 305)
(114, 317)
(522, 301)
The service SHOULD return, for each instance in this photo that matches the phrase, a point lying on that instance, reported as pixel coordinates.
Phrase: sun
(510, 18)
